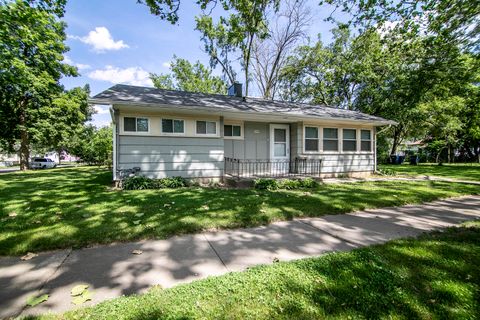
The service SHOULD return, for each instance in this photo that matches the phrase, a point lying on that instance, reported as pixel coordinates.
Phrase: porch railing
(251, 168)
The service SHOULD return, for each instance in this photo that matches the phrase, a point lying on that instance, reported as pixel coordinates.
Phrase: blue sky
(119, 41)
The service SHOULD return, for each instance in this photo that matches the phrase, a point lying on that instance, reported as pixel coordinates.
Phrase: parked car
(42, 163)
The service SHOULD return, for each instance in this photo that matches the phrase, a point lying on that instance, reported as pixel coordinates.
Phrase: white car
(42, 163)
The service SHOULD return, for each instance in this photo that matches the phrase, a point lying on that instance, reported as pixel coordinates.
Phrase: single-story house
(165, 133)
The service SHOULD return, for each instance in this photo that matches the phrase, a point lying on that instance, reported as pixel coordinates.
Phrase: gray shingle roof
(127, 94)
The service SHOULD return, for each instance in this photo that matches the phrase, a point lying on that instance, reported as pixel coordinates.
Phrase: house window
(349, 140)
(206, 127)
(311, 139)
(366, 140)
(232, 130)
(132, 124)
(173, 126)
(330, 139)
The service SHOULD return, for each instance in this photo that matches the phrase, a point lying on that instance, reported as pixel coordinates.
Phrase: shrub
(266, 184)
(142, 183)
(173, 182)
(308, 183)
(289, 184)
(138, 183)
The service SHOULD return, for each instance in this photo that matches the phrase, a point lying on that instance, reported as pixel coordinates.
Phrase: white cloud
(99, 109)
(166, 64)
(133, 75)
(101, 40)
(80, 66)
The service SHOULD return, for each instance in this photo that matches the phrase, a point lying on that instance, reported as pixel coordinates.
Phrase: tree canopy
(186, 76)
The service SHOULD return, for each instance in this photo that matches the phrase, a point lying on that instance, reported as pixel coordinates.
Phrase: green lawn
(74, 207)
(467, 171)
(433, 277)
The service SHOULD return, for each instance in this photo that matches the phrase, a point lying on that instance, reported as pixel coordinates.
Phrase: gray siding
(160, 157)
(255, 144)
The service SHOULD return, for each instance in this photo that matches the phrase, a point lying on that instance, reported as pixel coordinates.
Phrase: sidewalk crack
(214, 250)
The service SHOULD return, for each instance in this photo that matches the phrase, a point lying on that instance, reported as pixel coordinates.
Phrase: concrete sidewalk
(113, 270)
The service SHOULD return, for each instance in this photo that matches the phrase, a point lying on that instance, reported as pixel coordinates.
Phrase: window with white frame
(207, 127)
(133, 124)
(173, 126)
(349, 140)
(330, 139)
(366, 140)
(232, 130)
(311, 139)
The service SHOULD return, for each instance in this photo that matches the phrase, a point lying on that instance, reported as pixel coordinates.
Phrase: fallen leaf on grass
(137, 251)
(136, 222)
(205, 207)
(139, 215)
(35, 300)
(167, 205)
(78, 290)
(29, 256)
(12, 214)
(86, 216)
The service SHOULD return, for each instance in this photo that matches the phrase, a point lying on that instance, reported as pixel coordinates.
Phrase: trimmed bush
(142, 183)
(138, 183)
(266, 184)
(289, 184)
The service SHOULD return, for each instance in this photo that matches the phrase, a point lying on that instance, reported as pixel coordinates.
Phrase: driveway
(114, 270)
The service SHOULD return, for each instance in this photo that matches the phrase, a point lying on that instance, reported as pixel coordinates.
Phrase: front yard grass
(433, 277)
(75, 207)
(462, 171)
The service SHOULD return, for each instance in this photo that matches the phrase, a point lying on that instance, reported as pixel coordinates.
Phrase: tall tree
(59, 121)
(247, 21)
(286, 29)
(185, 76)
(31, 53)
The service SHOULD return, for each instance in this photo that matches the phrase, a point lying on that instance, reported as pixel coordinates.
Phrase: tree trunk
(24, 143)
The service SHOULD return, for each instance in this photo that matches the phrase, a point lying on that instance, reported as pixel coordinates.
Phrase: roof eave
(382, 122)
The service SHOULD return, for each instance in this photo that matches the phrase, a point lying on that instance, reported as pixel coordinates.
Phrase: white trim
(173, 127)
(217, 129)
(135, 133)
(114, 151)
(287, 140)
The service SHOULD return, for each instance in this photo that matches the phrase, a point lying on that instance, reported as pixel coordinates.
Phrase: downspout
(114, 144)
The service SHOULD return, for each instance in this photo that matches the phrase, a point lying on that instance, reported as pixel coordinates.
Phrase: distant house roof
(135, 95)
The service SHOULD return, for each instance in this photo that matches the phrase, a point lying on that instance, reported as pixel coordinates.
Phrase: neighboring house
(194, 135)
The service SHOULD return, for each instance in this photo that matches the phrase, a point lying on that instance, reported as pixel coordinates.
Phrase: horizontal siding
(344, 163)
(160, 157)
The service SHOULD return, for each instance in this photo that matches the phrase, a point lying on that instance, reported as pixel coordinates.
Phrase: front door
(279, 142)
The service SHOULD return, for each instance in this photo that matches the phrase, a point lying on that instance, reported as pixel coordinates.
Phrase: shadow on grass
(436, 276)
(470, 171)
(74, 207)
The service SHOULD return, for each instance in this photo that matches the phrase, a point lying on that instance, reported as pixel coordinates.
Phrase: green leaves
(80, 294)
(32, 301)
(186, 76)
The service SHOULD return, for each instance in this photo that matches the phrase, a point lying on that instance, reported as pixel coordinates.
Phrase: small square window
(129, 124)
(142, 125)
(206, 127)
(173, 126)
(232, 130)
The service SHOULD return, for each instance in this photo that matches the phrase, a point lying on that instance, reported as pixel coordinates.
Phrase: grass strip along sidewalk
(75, 207)
(434, 276)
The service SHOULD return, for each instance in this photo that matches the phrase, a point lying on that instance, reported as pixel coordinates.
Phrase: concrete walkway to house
(114, 270)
